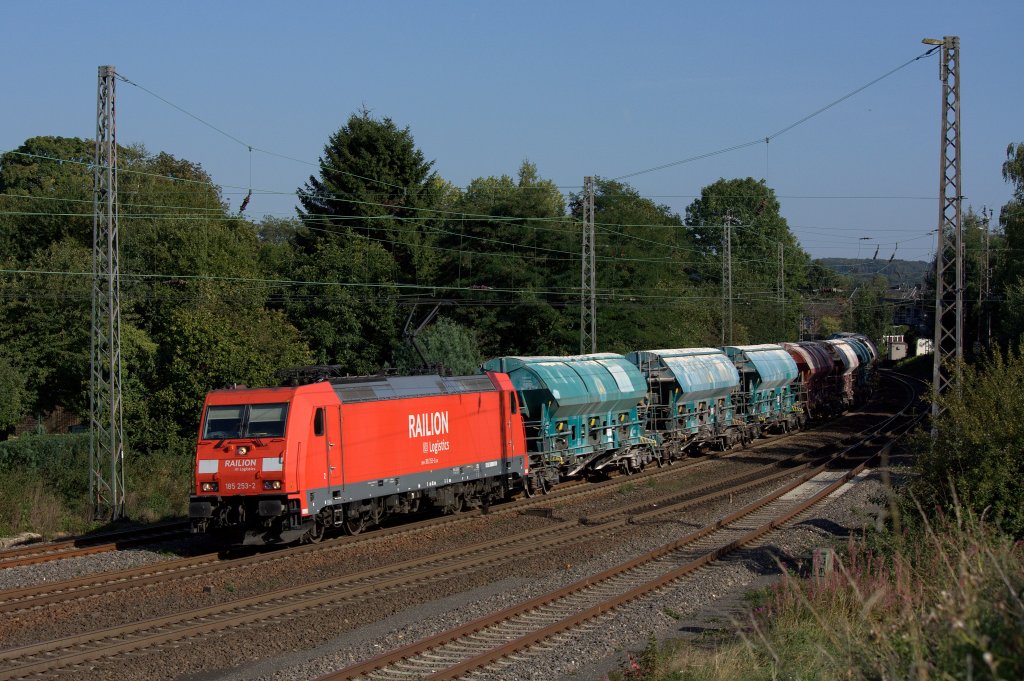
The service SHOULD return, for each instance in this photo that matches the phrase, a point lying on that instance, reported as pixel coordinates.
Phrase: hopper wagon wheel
(535, 484)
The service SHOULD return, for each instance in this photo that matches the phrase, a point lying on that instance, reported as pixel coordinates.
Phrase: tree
(510, 253)
(868, 312)
(759, 228)
(644, 264)
(976, 459)
(1010, 267)
(211, 344)
(445, 343)
(45, 322)
(374, 182)
(45, 195)
(12, 387)
(180, 253)
(346, 304)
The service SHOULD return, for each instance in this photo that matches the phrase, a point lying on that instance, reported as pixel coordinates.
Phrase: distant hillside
(898, 272)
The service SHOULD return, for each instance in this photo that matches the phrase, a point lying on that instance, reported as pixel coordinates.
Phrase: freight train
(287, 464)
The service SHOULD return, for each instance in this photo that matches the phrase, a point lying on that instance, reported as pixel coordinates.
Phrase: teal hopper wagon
(690, 398)
(766, 396)
(580, 414)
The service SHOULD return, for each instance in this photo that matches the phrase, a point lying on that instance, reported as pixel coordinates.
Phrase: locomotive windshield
(245, 420)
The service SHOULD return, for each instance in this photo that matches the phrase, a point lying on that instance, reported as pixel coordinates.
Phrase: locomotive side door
(505, 414)
(335, 469)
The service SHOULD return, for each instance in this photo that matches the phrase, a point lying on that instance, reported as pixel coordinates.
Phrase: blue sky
(578, 88)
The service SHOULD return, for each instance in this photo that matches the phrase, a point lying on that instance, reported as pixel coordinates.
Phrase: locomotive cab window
(318, 422)
(224, 422)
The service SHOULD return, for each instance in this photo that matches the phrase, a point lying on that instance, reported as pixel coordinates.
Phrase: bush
(44, 484)
(940, 602)
(978, 454)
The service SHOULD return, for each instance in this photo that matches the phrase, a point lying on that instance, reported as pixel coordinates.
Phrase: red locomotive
(276, 465)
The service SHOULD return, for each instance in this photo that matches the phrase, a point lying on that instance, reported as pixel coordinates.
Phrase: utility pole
(727, 278)
(106, 432)
(781, 284)
(985, 292)
(588, 296)
(949, 251)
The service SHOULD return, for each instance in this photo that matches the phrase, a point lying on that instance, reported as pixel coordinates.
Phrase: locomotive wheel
(355, 525)
(316, 533)
(527, 488)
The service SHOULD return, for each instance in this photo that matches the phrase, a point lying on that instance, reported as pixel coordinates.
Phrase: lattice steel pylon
(588, 294)
(106, 441)
(949, 251)
(727, 279)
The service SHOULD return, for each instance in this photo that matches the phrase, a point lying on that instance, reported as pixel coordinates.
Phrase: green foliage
(346, 308)
(868, 312)
(1009, 265)
(445, 343)
(374, 182)
(47, 183)
(213, 345)
(941, 602)
(861, 271)
(44, 484)
(44, 325)
(158, 484)
(977, 458)
(758, 229)
(12, 387)
(508, 251)
(644, 264)
(1012, 320)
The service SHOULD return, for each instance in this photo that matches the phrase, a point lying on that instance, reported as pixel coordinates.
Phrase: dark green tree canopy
(374, 182)
(510, 252)
(45, 195)
(758, 230)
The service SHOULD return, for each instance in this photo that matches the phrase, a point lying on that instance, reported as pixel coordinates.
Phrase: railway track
(77, 653)
(33, 554)
(485, 647)
(68, 654)
(58, 593)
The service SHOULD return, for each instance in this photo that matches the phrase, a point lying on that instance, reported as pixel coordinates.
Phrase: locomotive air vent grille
(465, 384)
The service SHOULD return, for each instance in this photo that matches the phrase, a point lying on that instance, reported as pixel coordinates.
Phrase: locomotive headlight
(207, 487)
(271, 484)
(242, 451)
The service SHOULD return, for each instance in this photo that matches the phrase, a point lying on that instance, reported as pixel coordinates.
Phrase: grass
(941, 601)
(44, 486)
